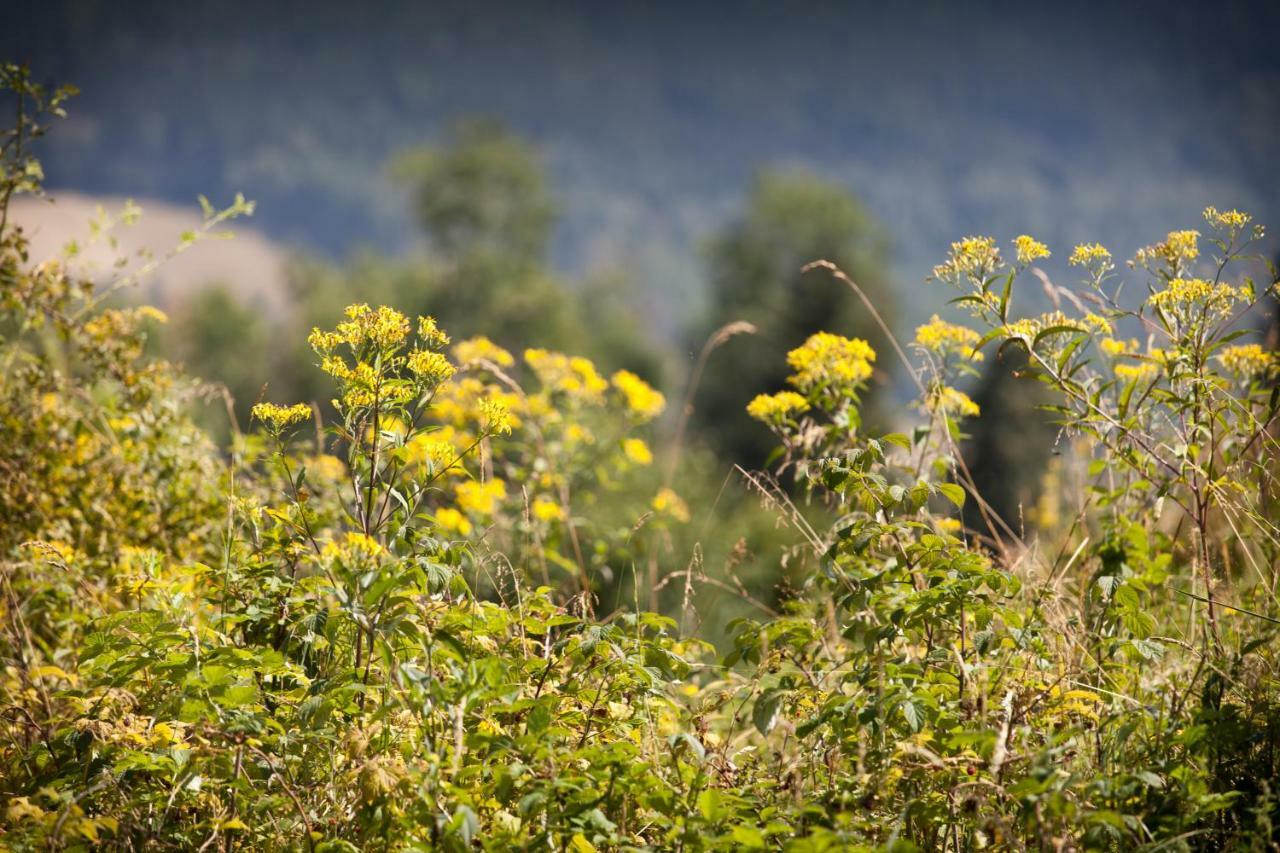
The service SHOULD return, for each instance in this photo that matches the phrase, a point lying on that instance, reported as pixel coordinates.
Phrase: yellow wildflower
(430, 333)
(775, 408)
(943, 338)
(478, 498)
(1231, 220)
(1090, 255)
(448, 518)
(668, 503)
(496, 416)
(830, 360)
(1029, 249)
(431, 366)
(278, 418)
(951, 401)
(643, 401)
(479, 349)
(637, 451)
(977, 257)
(1113, 347)
(1140, 371)
(1178, 249)
(323, 342)
(1187, 293)
(575, 376)
(546, 510)
(1247, 360)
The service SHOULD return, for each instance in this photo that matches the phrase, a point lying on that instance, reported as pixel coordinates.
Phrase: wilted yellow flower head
(643, 401)
(278, 418)
(776, 408)
(479, 349)
(943, 338)
(637, 451)
(1248, 360)
(826, 360)
(976, 257)
(1029, 249)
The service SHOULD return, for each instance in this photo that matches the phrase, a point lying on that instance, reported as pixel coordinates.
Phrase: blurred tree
(791, 218)
(481, 193)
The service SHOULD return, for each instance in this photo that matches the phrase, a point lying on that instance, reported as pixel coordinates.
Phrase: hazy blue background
(1070, 121)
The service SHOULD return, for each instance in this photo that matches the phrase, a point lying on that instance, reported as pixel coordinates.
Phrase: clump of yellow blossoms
(668, 503)
(1232, 220)
(1248, 360)
(476, 498)
(431, 366)
(976, 257)
(776, 408)
(943, 339)
(573, 375)
(637, 451)
(1178, 249)
(496, 416)
(479, 349)
(828, 360)
(643, 401)
(278, 418)
(1090, 255)
(546, 510)
(951, 401)
(1029, 249)
(1183, 294)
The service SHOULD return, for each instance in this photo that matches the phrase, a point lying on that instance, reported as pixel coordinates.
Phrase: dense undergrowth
(388, 632)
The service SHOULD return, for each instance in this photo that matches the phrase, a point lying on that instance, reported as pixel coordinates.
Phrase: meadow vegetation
(453, 602)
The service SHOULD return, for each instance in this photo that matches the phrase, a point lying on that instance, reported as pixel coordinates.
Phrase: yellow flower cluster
(279, 417)
(1097, 323)
(637, 451)
(476, 498)
(668, 503)
(480, 349)
(776, 408)
(546, 510)
(1137, 372)
(430, 333)
(951, 401)
(973, 256)
(432, 367)
(574, 375)
(1029, 249)
(1231, 220)
(1113, 347)
(354, 545)
(1089, 255)
(496, 416)
(1178, 248)
(827, 360)
(1183, 293)
(643, 401)
(383, 327)
(1248, 360)
(943, 338)
(448, 518)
